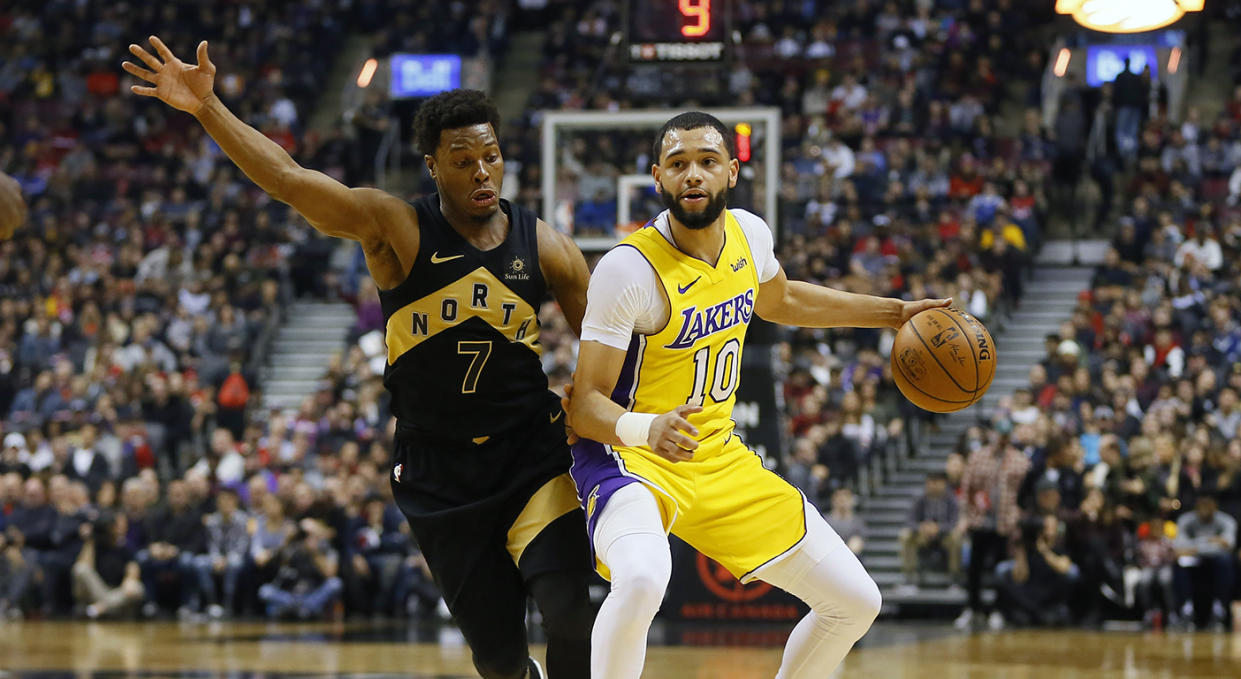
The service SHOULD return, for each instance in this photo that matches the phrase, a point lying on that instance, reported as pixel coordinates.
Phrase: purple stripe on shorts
(598, 475)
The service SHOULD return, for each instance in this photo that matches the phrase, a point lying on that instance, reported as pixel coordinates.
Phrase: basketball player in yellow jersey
(652, 401)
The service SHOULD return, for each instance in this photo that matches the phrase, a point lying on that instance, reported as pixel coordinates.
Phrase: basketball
(943, 360)
(12, 206)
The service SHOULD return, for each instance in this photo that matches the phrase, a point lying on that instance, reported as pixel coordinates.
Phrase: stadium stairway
(1211, 85)
(517, 74)
(1050, 295)
(302, 350)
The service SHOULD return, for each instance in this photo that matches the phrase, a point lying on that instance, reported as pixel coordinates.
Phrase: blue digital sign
(424, 75)
(1105, 62)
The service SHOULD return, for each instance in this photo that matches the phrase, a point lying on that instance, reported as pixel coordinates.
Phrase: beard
(696, 220)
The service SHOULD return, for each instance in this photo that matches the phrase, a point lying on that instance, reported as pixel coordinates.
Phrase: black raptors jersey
(463, 330)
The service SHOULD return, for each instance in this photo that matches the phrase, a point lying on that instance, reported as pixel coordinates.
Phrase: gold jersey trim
(478, 294)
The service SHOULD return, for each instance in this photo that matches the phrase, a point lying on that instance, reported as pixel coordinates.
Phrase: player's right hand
(177, 84)
(668, 434)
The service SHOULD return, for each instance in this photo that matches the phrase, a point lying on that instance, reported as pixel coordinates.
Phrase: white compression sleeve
(843, 600)
(623, 298)
(631, 541)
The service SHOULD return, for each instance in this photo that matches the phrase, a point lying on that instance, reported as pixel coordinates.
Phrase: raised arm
(328, 205)
(807, 305)
(564, 269)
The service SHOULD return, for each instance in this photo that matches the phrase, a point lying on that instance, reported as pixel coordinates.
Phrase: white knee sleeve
(629, 538)
(631, 510)
(641, 566)
(843, 598)
(826, 574)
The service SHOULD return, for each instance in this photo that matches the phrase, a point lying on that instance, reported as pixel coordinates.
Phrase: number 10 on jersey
(724, 378)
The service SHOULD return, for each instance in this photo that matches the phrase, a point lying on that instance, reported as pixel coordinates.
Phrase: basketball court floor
(74, 650)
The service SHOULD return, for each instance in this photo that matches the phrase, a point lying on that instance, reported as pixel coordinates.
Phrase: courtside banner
(703, 590)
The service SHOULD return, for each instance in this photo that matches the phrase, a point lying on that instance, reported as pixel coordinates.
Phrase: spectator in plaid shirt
(993, 475)
(228, 542)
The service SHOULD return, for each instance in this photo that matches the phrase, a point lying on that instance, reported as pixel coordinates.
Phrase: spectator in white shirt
(230, 469)
(788, 46)
(816, 97)
(969, 294)
(1024, 410)
(839, 158)
(1227, 416)
(850, 93)
(1203, 249)
(821, 46)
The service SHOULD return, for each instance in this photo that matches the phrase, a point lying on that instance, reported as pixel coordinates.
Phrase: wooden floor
(52, 650)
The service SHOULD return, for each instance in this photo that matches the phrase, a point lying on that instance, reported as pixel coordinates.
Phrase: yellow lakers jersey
(696, 357)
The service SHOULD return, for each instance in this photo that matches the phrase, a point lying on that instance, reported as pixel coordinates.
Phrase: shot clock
(685, 31)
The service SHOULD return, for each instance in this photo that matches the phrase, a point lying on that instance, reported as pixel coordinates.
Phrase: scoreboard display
(684, 31)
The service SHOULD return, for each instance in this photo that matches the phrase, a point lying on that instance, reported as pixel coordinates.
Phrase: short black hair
(1055, 445)
(692, 120)
(449, 111)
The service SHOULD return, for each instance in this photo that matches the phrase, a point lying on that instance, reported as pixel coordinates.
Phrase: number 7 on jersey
(480, 351)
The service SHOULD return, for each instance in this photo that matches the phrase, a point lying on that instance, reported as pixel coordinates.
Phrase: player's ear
(734, 168)
(655, 173)
(430, 161)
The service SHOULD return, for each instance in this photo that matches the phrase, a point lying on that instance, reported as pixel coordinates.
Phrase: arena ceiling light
(1127, 16)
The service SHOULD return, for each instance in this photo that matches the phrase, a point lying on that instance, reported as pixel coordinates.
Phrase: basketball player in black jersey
(480, 463)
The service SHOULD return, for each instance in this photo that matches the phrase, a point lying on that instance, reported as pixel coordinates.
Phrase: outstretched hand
(176, 83)
(911, 309)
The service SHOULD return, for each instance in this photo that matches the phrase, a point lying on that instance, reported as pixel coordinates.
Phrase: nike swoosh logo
(683, 288)
(553, 418)
(436, 259)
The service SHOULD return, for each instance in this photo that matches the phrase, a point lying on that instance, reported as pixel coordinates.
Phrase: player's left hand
(176, 83)
(911, 309)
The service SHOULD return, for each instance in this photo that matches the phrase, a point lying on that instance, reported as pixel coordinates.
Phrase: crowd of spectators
(138, 474)
(1111, 485)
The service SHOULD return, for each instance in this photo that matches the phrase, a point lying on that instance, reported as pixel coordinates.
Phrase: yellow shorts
(724, 503)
